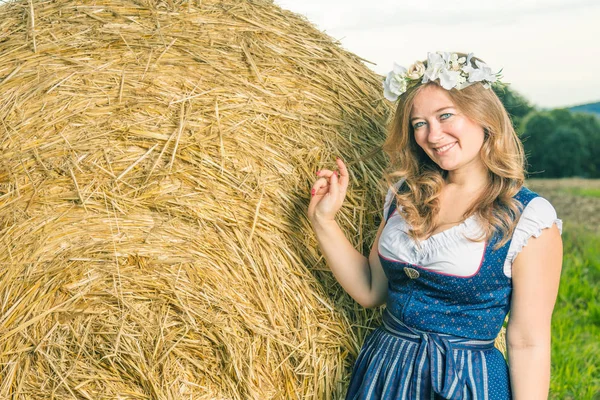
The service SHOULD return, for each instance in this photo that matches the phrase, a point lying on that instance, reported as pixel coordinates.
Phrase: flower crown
(452, 72)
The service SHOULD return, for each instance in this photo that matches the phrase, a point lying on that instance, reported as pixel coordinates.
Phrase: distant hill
(590, 108)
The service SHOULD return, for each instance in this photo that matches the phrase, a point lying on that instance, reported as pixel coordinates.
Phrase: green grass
(583, 191)
(576, 320)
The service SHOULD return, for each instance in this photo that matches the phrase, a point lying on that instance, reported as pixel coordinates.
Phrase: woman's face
(447, 136)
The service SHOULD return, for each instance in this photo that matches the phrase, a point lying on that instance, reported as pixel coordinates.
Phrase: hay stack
(155, 168)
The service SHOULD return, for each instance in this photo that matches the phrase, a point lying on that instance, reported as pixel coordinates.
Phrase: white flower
(462, 82)
(395, 83)
(453, 62)
(441, 66)
(435, 65)
(399, 69)
(448, 79)
(469, 56)
(481, 73)
(487, 73)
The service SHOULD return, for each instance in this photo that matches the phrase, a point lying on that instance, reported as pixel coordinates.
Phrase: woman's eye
(443, 116)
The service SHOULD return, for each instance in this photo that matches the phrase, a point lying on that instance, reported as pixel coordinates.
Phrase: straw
(155, 171)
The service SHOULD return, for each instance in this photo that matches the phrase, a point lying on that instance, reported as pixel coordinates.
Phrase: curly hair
(502, 154)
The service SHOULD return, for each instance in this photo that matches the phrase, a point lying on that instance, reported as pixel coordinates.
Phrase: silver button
(411, 272)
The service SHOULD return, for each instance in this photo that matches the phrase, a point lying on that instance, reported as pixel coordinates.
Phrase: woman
(461, 244)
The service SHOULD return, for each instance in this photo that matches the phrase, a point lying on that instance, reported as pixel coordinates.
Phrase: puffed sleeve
(390, 196)
(539, 214)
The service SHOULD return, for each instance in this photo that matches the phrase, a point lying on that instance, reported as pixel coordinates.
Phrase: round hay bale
(155, 169)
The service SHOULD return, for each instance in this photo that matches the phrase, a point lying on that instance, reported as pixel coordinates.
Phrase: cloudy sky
(549, 49)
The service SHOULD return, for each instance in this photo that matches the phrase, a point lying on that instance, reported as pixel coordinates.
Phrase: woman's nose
(435, 132)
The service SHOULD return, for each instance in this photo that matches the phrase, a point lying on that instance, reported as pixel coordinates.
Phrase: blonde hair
(502, 153)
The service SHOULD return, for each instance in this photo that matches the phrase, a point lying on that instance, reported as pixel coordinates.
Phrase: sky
(548, 50)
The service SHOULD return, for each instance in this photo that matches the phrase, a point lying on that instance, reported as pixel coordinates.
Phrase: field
(577, 201)
(576, 319)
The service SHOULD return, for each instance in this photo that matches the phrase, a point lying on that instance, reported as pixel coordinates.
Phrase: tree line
(558, 143)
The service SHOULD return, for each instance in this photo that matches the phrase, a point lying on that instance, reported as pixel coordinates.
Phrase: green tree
(537, 127)
(558, 142)
(589, 125)
(516, 105)
(562, 116)
(570, 153)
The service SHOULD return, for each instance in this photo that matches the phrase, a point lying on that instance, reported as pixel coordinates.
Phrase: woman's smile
(444, 149)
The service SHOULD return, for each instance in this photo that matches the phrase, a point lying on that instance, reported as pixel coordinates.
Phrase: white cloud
(547, 48)
(354, 14)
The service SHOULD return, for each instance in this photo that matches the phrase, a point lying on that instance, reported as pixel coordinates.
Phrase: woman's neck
(470, 178)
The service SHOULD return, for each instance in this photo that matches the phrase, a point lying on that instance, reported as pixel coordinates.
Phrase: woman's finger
(324, 173)
(334, 188)
(344, 176)
(320, 187)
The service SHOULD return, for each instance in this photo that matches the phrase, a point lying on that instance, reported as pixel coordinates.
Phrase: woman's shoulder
(537, 209)
(525, 194)
(534, 203)
(538, 214)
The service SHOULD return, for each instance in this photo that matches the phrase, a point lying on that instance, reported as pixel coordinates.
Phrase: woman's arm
(535, 277)
(363, 279)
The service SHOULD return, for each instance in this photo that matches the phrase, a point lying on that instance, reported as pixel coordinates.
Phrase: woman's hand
(328, 193)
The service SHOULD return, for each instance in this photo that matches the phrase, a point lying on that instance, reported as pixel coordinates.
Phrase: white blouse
(450, 252)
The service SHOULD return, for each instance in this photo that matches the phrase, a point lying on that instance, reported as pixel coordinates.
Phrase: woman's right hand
(328, 193)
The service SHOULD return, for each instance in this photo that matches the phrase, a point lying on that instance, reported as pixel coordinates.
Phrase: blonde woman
(461, 244)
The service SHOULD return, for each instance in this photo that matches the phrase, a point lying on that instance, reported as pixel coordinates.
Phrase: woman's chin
(447, 166)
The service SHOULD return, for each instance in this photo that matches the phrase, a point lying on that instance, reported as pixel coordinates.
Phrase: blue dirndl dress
(436, 340)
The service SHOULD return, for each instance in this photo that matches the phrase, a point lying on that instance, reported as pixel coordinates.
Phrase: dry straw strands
(155, 168)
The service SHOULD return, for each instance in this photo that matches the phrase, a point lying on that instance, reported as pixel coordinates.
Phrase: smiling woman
(462, 243)
(451, 132)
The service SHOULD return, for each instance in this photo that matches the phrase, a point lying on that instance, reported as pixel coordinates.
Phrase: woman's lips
(444, 149)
